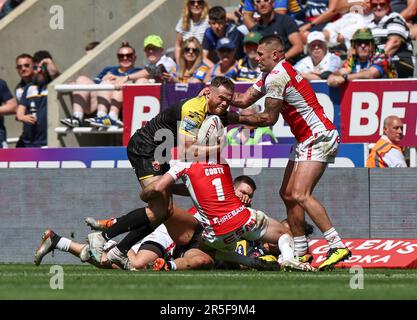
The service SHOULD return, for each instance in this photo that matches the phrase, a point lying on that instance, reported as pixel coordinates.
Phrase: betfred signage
(365, 105)
(371, 253)
(141, 103)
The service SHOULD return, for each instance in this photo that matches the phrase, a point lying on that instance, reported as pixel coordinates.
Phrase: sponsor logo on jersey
(188, 124)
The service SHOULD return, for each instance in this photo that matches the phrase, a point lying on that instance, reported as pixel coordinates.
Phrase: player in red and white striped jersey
(223, 216)
(288, 93)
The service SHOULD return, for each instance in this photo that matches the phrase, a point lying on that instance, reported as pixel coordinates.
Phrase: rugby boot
(334, 256)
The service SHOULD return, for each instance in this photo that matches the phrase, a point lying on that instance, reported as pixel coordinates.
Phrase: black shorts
(193, 244)
(145, 165)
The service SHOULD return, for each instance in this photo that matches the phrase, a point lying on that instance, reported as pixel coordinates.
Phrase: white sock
(300, 246)
(333, 239)
(113, 115)
(101, 113)
(78, 115)
(286, 246)
(63, 244)
(172, 265)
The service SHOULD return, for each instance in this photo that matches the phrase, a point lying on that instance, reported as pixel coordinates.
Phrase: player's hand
(204, 92)
(260, 218)
(247, 202)
(232, 117)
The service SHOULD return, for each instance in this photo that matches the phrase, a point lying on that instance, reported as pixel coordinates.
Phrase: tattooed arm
(244, 100)
(266, 118)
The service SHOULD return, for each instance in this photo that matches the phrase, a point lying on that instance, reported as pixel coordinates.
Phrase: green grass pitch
(18, 281)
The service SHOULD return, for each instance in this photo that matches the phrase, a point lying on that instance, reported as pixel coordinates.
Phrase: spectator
(191, 68)
(159, 68)
(318, 13)
(247, 68)
(31, 110)
(227, 65)
(340, 31)
(247, 135)
(408, 10)
(293, 8)
(24, 67)
(319, 63)
(281, 25)
(90, 47)
(193, 23)
(219, 28)
(8, 105)
(6, 6)
(107, 104)
(392, 35)
(364, 63)
(387, 152)
(45, 59)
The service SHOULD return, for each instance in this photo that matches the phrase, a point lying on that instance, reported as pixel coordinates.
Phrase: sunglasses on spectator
(191, 50)
(363, 43)
(121, 56)
(383, 5)
(259, 1)
(196, 2)
(42, 67)
(21, 66)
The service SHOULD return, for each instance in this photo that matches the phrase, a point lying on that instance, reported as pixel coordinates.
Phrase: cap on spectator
(314, 36)
(153, 40)
(225, 43)
(363, 34)
(252, 37)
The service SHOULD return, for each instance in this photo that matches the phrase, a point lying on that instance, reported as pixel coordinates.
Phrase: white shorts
(321, 146)
(160, 236)
(253, 229)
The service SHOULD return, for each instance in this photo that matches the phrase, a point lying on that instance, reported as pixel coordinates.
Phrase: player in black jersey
(148, 152)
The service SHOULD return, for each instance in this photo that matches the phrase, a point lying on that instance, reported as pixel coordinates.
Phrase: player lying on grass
(158, 244)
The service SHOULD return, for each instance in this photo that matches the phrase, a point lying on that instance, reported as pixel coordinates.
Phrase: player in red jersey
(221, 213)
(288, 93)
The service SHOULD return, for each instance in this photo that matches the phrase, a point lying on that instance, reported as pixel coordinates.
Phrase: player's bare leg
(304, 177)
(295, 213)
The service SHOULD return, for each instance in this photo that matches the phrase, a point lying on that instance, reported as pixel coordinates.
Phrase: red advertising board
(365, 105)
(371, 253)
(141, 104)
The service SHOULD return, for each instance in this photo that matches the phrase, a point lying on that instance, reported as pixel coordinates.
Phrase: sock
(300, 246)
(133, 220)
(63, 244)
(55, 239)
(333, 239)
(101, 114)
(172, 265)
(113, 115)
(286, 246)
(134, 237)
(78, 115)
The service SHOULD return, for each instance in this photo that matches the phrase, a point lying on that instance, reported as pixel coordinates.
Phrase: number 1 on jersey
(217, 183)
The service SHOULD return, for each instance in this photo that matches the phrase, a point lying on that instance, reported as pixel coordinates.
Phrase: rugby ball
(211, 129)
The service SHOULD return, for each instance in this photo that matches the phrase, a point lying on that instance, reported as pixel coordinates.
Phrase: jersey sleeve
(193, 113)
(178, 169)
(275, 85)
(259, 84)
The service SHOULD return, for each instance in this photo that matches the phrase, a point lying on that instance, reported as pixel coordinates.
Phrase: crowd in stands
(6, 6)
(332, 40)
